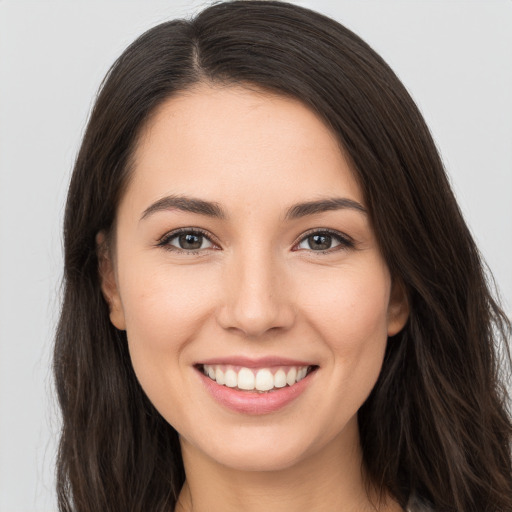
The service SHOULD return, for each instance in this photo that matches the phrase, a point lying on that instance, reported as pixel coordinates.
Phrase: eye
(321, 241)
(186, 240)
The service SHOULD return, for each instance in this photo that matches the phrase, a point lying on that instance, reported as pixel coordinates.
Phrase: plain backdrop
(455, 57)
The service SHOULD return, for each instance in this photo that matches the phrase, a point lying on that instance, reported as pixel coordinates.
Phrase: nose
(256, 299)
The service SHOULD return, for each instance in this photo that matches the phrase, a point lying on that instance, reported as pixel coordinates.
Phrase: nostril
(256, 319)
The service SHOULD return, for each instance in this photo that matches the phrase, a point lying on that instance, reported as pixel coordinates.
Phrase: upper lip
(260, 362)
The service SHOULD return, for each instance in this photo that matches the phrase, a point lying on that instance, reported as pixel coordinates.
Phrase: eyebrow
(213, 209)
(323, 205)
(185, 204)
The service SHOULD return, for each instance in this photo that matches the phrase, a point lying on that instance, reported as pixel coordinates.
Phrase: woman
(271, 298)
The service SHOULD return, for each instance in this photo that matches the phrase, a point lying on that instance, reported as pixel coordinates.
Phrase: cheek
(165, 309)
(350, 306)
(165, 305)
(351, 319)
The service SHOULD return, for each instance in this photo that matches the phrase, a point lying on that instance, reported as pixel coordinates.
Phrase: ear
(398, 308)
(108, 280)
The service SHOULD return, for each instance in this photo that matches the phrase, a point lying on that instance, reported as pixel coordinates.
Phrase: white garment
(416, 504)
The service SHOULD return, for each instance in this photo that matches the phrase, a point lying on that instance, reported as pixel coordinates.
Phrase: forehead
(224, 143)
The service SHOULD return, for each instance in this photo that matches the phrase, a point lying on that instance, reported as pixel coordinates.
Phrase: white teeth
(251, 379)
(245, 379)
(219, 376)
(230, 378)
(264, 380)
(290, 377)
(280, 379)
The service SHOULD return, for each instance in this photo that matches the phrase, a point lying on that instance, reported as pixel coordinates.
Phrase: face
(247, 276)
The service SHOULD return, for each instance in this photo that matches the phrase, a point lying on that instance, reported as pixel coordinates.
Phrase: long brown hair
(437, 423)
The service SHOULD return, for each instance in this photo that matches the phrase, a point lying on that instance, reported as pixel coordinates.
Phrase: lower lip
(252, 402)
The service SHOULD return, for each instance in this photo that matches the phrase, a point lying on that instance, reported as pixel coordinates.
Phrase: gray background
(455, 57)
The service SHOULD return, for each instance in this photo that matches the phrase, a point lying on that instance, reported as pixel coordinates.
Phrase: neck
(331, 479)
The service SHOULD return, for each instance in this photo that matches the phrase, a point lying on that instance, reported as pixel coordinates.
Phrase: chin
(263, 449)
(258, 459)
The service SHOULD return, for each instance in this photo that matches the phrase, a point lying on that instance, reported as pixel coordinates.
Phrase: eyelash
(164, 242)
(345, 242)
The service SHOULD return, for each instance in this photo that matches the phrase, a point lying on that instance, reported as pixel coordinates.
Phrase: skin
(255, 288)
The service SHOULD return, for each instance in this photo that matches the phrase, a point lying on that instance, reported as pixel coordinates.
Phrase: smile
(256, 387)
(259, 379)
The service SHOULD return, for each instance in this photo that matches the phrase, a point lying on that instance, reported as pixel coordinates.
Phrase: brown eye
(319, 242)
(190, 241)
(324, 241)
(187, 241)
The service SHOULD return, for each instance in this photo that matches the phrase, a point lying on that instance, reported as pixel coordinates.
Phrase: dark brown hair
(437, 423)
